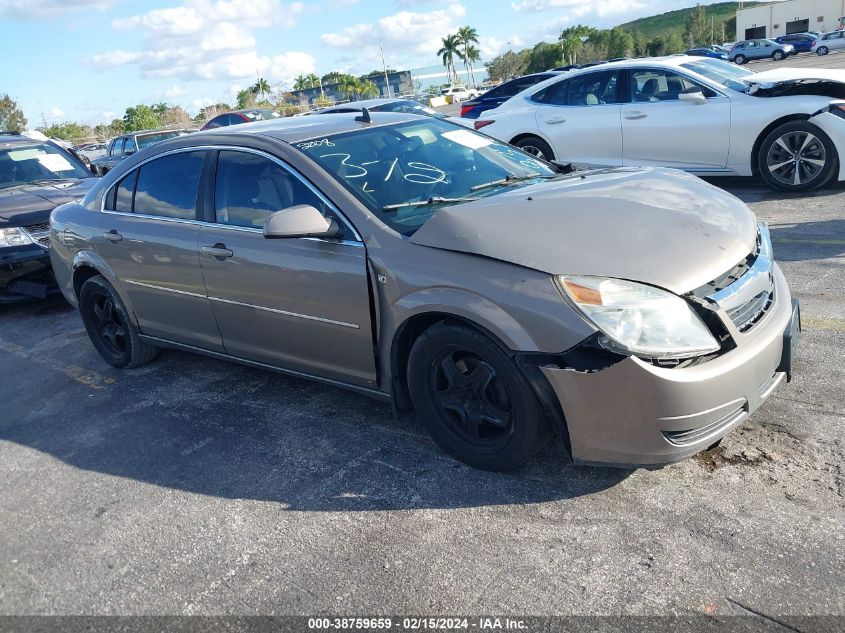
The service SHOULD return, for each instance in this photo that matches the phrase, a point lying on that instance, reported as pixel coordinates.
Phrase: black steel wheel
(797, 156)
(473, 400)
(109, 326)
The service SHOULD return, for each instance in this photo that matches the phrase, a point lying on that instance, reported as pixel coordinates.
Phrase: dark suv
(495, 97)
(122, 146)
(35, 177)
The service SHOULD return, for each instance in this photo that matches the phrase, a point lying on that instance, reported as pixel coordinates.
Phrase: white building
(789, 16)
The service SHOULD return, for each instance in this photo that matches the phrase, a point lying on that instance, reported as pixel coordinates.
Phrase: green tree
(355, 88)
(335, 77)
(261, 87)
(175, 115)
(507, 65)
(141, 117)
(572, 41)
(313, 80)
(665, 45)
(543, 57)
(245, 99)
(300, 83)
(698, 30)
(467, 36)
(68, 131)
(11, 116)
(448, 52)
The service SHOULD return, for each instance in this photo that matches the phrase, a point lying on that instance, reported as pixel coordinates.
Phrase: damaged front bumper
(25, 273)
(635, 413)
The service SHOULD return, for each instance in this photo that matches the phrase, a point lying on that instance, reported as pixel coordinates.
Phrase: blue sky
(87, 60)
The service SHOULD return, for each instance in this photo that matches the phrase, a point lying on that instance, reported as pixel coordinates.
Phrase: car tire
(473, 400)
(800, 141)
(110, 327)
(777, 56)
(536, 147)
(739, 59)
(822, 50)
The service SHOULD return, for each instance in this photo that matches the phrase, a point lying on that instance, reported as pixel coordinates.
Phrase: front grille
(40, 233)
(746, 315)
(691, 436)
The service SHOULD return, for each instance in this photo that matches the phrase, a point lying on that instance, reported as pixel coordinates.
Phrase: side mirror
(302, 220)
(692, 95)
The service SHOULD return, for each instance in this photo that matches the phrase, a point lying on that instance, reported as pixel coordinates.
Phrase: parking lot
(191, 486)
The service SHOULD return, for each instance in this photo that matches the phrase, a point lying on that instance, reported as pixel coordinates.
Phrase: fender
(91, 259)
(468, 306)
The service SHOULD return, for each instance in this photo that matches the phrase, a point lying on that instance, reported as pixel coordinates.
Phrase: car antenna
(364, 117)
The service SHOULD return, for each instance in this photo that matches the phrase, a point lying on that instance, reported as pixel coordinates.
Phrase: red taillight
(466, 108)
(480, 124)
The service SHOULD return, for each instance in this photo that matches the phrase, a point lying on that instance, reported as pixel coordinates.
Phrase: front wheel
(777, 56)
(473, 400)
(797, 156)
(536, 147)
(822, 50)
(109, 326)
(739, 59)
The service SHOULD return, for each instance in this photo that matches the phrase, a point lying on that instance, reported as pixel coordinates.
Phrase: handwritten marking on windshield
(323, 142)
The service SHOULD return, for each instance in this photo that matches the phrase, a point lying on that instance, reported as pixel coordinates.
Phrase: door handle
(113, 236)
(633, 116)
(218, 251)
(555, 120)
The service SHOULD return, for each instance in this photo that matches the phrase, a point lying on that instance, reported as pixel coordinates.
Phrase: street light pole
(384, 66)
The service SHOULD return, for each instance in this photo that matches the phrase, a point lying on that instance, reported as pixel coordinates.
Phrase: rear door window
(167, 186)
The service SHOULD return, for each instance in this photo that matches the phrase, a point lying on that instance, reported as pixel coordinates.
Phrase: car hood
(770, 78)
(32, 204)
(657, 226)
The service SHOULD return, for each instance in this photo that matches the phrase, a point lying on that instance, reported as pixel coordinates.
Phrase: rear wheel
(777, 56)
(822, 50)
(473, 400)
(536, 147)
(797, 156)
(109, 326)
(739, 59)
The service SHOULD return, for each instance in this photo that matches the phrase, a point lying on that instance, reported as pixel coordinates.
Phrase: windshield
(409, 107)
(405, 172)
(729, 75)
(22, 164)
(152, 139)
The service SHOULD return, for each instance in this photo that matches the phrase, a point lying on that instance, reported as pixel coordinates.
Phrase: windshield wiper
(509, 180)
(421, 203)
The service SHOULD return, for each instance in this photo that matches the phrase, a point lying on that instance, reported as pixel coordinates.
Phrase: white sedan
(704, 116)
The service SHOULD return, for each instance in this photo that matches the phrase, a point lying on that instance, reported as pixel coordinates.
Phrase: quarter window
(168, 186)
(124, 193)
(248, 188)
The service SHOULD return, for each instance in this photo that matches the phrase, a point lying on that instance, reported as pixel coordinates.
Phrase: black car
(35, 177)
(495, 97)
(237, 117)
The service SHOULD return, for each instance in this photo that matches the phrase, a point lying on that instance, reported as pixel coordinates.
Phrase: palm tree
(358, 88)
(473, 55)
(300, 83)
(261, 87)
(313, 80)
(467, 36)
(451, 49)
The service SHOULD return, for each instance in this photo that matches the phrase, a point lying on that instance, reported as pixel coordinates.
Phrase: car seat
(649, 90)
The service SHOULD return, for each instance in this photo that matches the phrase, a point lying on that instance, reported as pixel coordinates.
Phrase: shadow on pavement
(808, 240)
(214, 428)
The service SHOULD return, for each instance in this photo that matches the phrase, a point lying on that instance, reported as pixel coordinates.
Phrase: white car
(459, 93)
(827, 42)
(702, 115)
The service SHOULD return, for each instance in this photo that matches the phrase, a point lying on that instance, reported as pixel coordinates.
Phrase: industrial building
(789, 16)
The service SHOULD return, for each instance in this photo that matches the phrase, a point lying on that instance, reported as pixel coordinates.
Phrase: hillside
(674, 21)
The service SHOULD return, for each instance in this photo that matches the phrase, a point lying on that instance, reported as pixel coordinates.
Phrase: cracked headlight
(14, 237)
(639, 319)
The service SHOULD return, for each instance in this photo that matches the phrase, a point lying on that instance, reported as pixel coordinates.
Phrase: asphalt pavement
(191, 486)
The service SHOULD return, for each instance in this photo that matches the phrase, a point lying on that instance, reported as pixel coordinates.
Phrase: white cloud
(206, 39)
(56, 113)
(46, 9)
(578, 8)
(406, 35)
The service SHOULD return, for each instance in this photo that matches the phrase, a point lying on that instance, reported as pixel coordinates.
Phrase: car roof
(295, 129)
(366, 103)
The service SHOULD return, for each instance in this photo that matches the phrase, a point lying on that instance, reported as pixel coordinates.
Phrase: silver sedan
(638, 313)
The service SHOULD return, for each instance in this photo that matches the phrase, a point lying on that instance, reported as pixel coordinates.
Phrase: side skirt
(371, 393)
